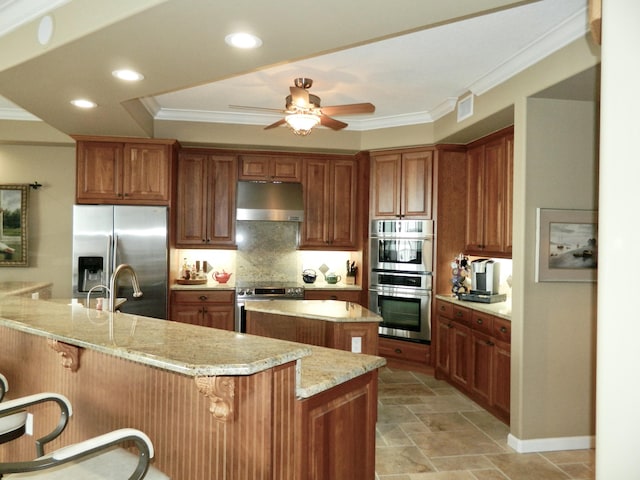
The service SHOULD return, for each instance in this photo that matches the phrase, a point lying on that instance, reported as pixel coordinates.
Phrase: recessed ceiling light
(45, 30)
(82, 103)
(243, 40)
(128, 75)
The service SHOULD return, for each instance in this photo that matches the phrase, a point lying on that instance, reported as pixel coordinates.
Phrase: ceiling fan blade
(332, 122)
(350, 109)
(299, 97)
(275, 124)
(262, 109)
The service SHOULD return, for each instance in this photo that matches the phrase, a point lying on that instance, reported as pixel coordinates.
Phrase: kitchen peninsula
(216, 404)
(328, 323)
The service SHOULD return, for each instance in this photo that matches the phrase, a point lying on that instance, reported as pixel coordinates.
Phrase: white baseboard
(551, 444)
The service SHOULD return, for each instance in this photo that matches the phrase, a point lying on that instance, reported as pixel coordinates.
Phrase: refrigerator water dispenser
(90, 273)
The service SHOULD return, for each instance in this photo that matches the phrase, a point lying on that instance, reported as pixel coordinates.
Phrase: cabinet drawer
(407, 351)
(482, 322)
(462, 315)
(194, 296)
(444, 308)
(501, 329)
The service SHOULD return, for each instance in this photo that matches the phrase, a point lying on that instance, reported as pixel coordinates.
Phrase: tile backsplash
(267, 252)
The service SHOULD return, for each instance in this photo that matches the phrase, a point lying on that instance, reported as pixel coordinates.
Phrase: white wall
(618, 395)
(50, 211)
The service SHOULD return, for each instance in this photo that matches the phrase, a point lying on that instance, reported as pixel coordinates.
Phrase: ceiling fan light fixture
(243, 40)
(302, 123)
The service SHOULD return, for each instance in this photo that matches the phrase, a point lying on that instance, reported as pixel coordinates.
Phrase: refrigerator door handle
(113, 244)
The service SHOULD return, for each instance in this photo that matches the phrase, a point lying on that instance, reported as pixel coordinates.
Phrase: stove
(268, 291)
(263, 291)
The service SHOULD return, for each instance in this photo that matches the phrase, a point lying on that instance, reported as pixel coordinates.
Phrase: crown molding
(568, 31)
(7, 113)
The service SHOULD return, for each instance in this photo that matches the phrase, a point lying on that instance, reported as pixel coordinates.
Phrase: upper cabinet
(205, 205)
(330, 204)
(402, 184)
(128, 171)
(269, 168)
(490, 195)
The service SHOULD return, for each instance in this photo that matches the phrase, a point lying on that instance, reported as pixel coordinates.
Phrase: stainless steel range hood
(280, 202)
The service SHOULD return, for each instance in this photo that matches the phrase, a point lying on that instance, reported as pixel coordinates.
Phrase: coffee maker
(485, 276)
(485, 282)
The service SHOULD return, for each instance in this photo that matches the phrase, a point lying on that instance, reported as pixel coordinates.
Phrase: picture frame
(566, 245)
(14, 227)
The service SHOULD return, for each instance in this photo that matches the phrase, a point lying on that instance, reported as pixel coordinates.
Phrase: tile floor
(427, 430)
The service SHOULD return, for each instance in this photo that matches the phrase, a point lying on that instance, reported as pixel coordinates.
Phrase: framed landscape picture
(13, 225)
(567, 245)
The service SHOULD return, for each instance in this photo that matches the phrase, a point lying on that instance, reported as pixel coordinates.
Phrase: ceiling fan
(303, 110)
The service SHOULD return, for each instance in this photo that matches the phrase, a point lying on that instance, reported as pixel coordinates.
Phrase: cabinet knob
(479, 321)
(458, 314)
(449, 325)
(398, 350)
(203, 297)
(489, 343)
(503, 329)
(443, 308)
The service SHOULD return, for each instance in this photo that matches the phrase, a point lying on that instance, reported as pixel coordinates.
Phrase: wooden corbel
(221, 393)
(69, 354)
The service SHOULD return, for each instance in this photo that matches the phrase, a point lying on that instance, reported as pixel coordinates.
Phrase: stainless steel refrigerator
(105, 236)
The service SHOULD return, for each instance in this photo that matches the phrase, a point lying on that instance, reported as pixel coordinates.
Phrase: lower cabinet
(473, 353)
(405, 355)
(207, 308)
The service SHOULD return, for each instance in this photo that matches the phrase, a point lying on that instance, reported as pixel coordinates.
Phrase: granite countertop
(328, 310)
(182, 348)
(21, 288)
(499, 309)
(210, 285)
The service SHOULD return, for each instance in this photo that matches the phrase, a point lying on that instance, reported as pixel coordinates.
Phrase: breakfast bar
(216, 404)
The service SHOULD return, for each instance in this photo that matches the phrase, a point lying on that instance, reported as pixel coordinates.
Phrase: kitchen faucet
(114, 283)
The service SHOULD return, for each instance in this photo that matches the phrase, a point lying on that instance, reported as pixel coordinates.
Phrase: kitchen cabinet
(343, 295)
(113, 170)
(405, 355)
(205, 204)
(270, 168)
(490, 195)
(473, 353)
(402, 184)
(204, 307)
(330, 190)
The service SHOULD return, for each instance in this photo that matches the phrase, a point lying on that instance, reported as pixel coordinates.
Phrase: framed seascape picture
(13, 225)
(566, 246)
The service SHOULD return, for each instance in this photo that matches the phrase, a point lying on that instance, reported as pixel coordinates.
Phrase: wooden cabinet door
(221, 200)
(475, 198)
(501, 374)
(417, 184)
(343, 203)
(186, 313)
(443, 335)
(460, 355)
(385, 196)
(191, 203)
(98, 172)
(218, 316)
(482, 349)
(316, 181)
(146, 173)
(270, 168)
(508, 195)
(494, 196)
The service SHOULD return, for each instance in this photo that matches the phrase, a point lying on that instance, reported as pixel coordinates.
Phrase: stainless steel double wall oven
(401, 278)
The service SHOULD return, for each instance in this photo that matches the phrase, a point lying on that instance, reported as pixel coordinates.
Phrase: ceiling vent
(465, 107)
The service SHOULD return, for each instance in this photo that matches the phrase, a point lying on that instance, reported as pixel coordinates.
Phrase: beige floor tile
(578, 471)
(461, 462)
(405, 400)
(395, 414)
(488, 475)
(527, 467)
(392, 435)
(397, 376)
(444, 422)
(459, 475)
(467, 442)
(445, 403)
(571, 456)
(488, 424)
(403, 390)
(401, 460)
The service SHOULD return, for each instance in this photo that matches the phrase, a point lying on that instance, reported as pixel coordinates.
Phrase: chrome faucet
(114, 283)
